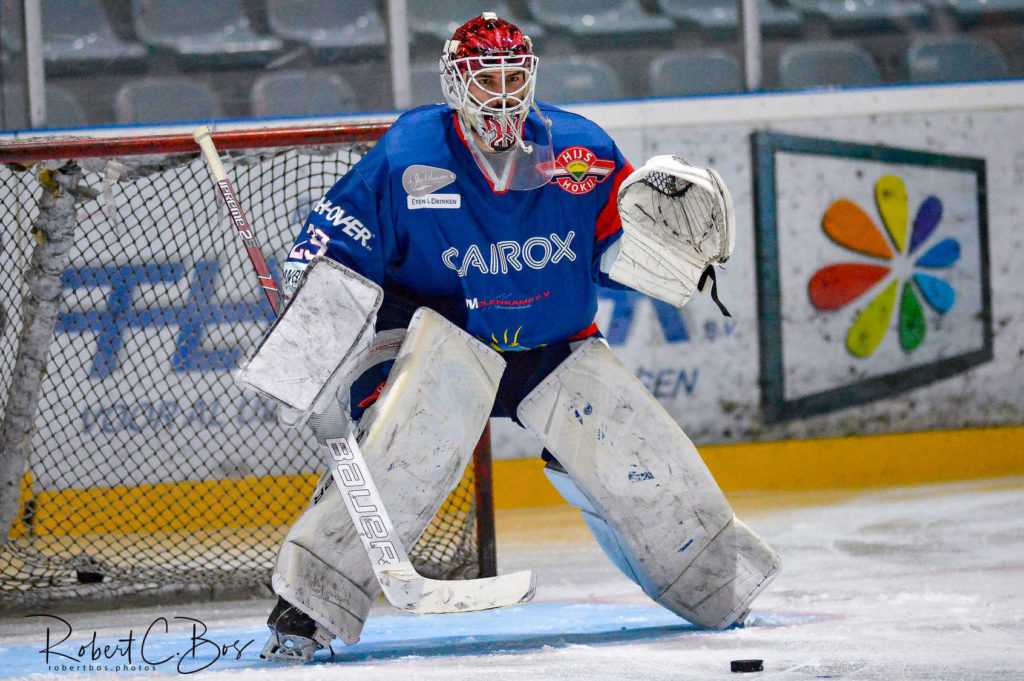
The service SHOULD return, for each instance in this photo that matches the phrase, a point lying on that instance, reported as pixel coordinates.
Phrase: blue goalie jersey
(517, 269)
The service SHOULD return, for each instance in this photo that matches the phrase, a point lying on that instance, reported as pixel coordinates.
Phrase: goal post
(130, 463)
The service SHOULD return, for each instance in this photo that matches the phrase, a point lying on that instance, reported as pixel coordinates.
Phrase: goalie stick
(203, 137)
(403, 587)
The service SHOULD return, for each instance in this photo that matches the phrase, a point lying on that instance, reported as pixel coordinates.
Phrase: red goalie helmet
(487, 75)
(489, 36)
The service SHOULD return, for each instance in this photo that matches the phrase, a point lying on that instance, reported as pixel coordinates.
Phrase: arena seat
(203, 33)
(301, 93)
(576, 79)
(957, 58)
(723, 15)
(166, 100)
(695, 72)
(78, 38)
(827, 64)
(350, 29)
(620, 20)
(436, 20)
(425, 83)
(63, 109)
(866, 15)
(974, 11)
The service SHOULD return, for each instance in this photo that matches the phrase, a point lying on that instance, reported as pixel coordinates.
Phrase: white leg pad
(606, 537)
(417, 440)
(321, 568)
(717, 588)
(643, 479)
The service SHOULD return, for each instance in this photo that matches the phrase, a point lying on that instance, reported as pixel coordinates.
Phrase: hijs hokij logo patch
(894, 255)
(578, 170)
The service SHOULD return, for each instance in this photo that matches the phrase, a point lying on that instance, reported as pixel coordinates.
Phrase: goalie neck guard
(488, 74)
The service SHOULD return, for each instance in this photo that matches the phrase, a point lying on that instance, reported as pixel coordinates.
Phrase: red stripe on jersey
(373, 396)
(608, 221)
(585, 333)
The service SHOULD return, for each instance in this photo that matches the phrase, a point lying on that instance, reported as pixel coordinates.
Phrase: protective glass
(523, 166)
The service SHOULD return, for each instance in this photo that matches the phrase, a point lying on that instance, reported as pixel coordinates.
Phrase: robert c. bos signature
(198, 652)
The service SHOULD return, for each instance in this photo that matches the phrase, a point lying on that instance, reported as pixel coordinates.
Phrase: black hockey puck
(85, 577)
(747, 665)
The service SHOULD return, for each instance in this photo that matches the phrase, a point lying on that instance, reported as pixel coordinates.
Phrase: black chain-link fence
(147, 470)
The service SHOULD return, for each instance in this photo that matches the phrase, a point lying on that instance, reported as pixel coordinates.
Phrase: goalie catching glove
(677, 223)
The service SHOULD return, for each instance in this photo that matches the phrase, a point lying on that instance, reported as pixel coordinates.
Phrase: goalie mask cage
(132, 463)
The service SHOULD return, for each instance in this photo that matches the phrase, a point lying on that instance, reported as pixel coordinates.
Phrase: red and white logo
(578, 170)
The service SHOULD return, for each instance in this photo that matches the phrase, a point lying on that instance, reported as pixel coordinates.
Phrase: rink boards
(774, 396)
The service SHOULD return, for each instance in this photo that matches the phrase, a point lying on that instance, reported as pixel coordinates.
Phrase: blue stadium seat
(436, 20)
(351, 29)
(619, 20)
(203, 33)
(166, 100)
(78, 38)
(957, 58)
(695, 72)
(974, 11)
(576, 79)
(825, 65)
(301, 93)
(425, 83)
(63, 110)
(11, 42)
(866, 15)
(723, 15)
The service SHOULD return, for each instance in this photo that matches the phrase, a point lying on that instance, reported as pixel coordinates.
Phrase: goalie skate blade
(289, 648)
(408, 591)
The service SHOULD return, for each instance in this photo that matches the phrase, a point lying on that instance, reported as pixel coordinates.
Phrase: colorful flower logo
(834, 286)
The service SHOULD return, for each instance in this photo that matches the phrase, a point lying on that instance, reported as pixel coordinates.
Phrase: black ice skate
(294, 636)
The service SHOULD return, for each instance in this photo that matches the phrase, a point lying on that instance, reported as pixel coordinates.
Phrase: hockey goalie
(451, 276)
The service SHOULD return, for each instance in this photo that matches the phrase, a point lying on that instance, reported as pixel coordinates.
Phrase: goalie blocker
(313, 348)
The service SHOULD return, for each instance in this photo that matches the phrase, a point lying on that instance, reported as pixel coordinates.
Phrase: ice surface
(910, 583)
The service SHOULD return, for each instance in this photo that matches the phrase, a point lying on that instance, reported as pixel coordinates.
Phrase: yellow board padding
(792, 465)
(832, 463)
(176, 506)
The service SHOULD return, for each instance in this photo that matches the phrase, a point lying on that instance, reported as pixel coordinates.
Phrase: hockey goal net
(132, 463)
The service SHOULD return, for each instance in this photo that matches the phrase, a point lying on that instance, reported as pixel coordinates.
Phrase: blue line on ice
(524, 628)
